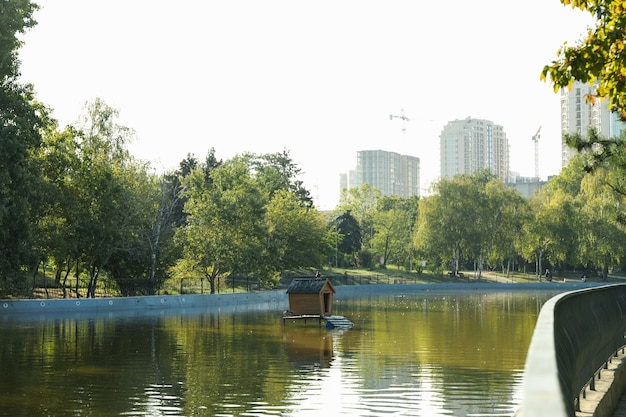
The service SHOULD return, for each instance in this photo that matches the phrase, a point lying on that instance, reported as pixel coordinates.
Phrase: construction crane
(401, 117)
(536, 137)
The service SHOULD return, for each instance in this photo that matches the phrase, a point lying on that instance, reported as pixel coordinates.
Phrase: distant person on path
(548, 275)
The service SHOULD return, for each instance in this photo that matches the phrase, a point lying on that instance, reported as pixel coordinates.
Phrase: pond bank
(276, 299)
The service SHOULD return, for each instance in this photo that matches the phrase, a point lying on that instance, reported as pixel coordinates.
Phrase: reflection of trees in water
(449, 329)
(206, 363)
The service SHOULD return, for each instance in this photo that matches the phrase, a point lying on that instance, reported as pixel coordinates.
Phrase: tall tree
(550, 233)
(107, 208)
(277, 171)
(394, 222)
(347, 238)
(224, 231)
(171, 214)
(601, 239)
(509, 211)
(59, 161)
(464, 219)
(16, 16)
(439, 234)
(361, 202)
(21, 121)
(296, 236)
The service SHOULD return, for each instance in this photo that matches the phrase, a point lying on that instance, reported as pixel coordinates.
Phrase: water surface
(408, 355)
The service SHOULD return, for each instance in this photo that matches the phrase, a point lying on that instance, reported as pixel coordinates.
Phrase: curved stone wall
(576, 333)
(267, 299)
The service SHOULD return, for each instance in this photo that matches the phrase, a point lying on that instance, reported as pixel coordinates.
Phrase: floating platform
(332, 322)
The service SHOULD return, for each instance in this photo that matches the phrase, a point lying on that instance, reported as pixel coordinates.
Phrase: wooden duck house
(311, 296)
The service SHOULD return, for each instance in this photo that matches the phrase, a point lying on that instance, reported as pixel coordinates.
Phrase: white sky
(318, 78)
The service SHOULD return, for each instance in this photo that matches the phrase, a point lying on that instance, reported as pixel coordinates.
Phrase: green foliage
(581, 217)
(575, 220)
(469, 218)
(600, 153)
(297, 236)
(16, 16)
(250, 218)
(601, 239)
(600, 58)
(348, 238)
(21, 122)
(223, 233)
(275, 172)
(394, 222)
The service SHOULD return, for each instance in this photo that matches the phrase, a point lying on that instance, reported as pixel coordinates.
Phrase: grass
(45, 287)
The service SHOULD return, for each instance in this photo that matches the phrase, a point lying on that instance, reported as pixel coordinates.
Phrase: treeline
(476, 223)
(75, 201)
(90, 209)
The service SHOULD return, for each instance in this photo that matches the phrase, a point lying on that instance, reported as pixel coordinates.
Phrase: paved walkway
(588, 405)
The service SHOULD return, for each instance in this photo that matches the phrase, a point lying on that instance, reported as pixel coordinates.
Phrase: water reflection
(410, 355)
(309, 347)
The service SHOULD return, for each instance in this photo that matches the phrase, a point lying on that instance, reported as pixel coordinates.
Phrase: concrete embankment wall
(238, 301)
(143, 305)
(575, 335)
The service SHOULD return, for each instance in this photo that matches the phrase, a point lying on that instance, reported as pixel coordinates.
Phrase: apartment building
(470, 145)
(390, 172)
(577, 116)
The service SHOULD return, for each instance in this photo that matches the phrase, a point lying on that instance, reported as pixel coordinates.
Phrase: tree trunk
(154, 248)
(211, 278)
(94, 272)
(68, 270)
(538, 266)
(480, 267)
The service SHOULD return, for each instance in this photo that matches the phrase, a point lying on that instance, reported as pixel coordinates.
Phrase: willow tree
(550, 234)
(394, 222)
(447, 220)
(601, 239)
(465, 219)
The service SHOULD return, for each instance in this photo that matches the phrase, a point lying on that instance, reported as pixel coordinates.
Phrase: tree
(277, 171)
(56, 225)
(601, 240)
(599, 58)
(361, 202)
(21, 121)
(107, 211)
(16, 16)
(296, 237)
(171, 214)
(394, 222)
(447, 222)
(550, 233)
(348, 237)
(509, 211)
(465, 219)
(223, 233)
(134, 257)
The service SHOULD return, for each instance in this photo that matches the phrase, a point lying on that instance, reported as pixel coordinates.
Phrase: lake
(415, 354)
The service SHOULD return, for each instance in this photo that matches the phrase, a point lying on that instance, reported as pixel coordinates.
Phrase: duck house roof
(309, 286)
